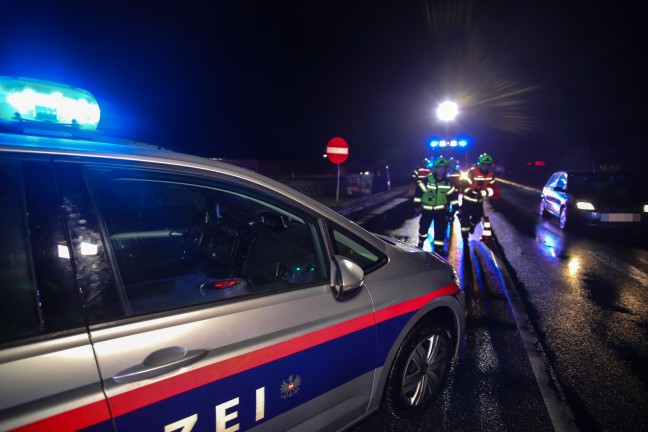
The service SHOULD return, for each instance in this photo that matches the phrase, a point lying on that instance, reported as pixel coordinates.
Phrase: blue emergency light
(47, 103)
(459, 142)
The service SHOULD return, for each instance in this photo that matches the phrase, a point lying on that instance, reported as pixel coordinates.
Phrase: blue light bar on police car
(38, 101)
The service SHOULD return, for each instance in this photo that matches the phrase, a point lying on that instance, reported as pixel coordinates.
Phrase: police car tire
(395, 402)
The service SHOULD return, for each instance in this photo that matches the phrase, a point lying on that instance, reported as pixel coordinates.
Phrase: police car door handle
(159, 363)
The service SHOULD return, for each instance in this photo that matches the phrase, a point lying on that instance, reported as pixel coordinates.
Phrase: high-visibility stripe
(433, 186)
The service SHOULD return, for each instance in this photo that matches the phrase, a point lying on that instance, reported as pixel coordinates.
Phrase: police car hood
(413, 254)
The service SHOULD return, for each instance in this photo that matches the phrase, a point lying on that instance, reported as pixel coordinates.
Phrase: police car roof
(123, 149)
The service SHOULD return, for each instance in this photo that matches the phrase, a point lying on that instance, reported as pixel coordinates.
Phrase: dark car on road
(594, 198)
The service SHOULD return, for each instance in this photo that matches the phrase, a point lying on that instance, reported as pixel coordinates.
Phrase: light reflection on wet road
(492, 386)
(586, 293)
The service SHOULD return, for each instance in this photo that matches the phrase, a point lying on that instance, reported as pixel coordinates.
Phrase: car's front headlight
(584, 205)
(645, 208)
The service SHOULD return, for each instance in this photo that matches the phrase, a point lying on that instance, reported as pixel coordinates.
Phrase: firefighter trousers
(471, 214)
(440, 219)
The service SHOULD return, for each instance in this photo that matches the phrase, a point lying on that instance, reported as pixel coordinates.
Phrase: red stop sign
(337, 150)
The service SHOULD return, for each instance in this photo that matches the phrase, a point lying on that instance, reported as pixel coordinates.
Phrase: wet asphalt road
(492, 386)
(585, 294)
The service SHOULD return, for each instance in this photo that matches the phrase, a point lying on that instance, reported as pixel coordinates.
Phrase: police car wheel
(419, 370)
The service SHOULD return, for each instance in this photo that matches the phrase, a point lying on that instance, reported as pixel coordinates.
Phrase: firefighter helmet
(440, 161)
(484, 158)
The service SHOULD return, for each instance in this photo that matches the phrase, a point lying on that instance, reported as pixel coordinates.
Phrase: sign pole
(337, 192)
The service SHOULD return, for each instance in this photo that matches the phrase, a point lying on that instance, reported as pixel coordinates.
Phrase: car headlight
(584, 205)
(645, 208)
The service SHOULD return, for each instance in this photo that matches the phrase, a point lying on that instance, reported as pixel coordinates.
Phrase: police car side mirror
(347, 277)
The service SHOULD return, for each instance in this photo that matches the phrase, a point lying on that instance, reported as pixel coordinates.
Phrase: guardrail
(518, 185)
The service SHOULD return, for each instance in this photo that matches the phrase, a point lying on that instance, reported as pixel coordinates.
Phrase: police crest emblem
(290, 387)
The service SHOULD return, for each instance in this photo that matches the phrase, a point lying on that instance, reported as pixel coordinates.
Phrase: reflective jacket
(435, 194)
(454, 177)
(478, 185)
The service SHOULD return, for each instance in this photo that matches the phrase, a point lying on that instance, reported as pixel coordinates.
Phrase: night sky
(276, 79)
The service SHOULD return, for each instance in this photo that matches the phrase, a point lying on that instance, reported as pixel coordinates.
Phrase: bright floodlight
(447, 111)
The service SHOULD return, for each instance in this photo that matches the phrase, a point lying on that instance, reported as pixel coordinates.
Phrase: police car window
(181, 241)
(355, 249)
(39, 293)
(562, 182)
(19, 315)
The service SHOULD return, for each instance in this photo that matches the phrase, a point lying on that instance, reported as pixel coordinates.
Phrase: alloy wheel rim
(423, 372)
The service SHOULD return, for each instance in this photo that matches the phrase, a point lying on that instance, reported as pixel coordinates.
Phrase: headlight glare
(584, 205)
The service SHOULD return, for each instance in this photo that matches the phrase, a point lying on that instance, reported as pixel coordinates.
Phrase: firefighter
(476, 186)
(418, 176)
(421, 172)
(435, 195)
(454, 174)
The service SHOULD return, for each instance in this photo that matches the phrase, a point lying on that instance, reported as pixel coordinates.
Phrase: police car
(144, 289)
